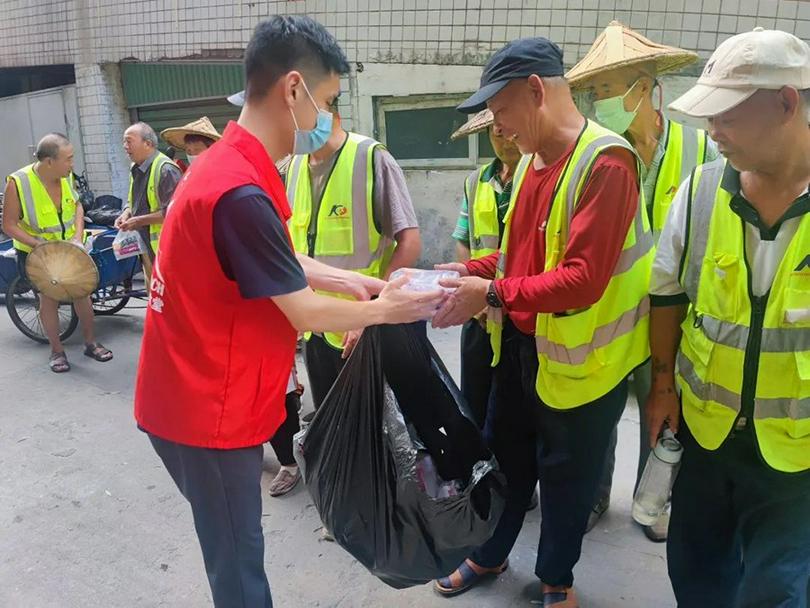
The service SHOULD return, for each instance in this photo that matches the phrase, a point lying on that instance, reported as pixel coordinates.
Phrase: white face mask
(191, 158)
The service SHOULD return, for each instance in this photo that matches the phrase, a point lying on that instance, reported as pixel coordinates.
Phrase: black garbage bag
(397, 471)
(104, 210)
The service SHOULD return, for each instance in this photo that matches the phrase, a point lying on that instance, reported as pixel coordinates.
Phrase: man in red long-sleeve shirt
(568, 310)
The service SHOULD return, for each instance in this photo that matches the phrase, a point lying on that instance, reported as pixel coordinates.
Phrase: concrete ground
(89, 518)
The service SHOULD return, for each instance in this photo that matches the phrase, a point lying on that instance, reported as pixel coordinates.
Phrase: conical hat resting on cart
(478, 122)
(618, 47)
(62, 271)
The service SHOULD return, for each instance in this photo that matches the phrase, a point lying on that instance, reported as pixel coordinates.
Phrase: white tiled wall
(399, 31)
(103, 121)
(96, 34)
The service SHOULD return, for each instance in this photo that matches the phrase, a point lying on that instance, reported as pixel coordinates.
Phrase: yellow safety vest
(482, 214)
(152, 197)
(40, 217)
(345, 235)
(684, 149)
(583, 354)
(736, 350)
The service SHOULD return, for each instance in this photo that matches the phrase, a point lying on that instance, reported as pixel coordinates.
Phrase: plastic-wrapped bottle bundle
(425, 280)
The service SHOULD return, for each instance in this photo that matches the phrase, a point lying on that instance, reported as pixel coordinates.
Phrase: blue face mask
(309, 141)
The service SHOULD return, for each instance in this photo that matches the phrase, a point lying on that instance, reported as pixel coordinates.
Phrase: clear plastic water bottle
(656, 482)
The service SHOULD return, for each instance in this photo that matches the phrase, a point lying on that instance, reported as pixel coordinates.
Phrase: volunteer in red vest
(41, 205)
(567, 310)
(229, 295)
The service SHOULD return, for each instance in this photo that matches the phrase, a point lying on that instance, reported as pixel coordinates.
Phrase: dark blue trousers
(563, 449)
(739, 536)
(223, 488)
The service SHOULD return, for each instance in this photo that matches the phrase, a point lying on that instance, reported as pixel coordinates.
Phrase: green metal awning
(148, 84)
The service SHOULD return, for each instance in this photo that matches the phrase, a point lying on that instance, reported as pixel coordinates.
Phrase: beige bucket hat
(619, 46)
(175, 136)
(477, 123)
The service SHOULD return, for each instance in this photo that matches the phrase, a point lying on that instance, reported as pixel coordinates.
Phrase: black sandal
(467, 579)
(58, 363)
(98, 352)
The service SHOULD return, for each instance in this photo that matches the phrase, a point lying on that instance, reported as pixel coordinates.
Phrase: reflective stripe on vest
(152, 196)
(717, 331)
(40, 217)
(345, 236)
(482, 213)
(685, 149)
(584, 354)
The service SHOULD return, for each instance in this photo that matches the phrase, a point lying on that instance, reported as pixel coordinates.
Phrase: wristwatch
(492, 296)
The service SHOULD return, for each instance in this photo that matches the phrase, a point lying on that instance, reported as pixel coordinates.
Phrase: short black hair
(281, 44)
(49, 146)
(193, 137)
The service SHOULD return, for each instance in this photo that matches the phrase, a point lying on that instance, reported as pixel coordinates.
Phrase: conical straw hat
(619, 46)
(62, 270)
(477, 123)
(175, 136)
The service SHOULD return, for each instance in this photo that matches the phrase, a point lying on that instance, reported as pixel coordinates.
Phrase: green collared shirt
(503, 192)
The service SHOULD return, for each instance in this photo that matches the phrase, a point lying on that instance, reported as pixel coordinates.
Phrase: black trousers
(282, 441)
(323, 366)
(223, 488)
(641, 387)
(476, 371)
(739, 536)
(563, 449)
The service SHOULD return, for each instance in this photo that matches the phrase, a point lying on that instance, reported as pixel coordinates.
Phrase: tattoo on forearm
(659, 367)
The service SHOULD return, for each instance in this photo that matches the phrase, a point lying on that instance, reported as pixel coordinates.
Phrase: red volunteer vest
(214, 366)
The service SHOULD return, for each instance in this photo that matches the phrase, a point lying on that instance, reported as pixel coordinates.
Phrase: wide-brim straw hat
(618, 46)
(175, 136)
(62, 270)
(479, 122)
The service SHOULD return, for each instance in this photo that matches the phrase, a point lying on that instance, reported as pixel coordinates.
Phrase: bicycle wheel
(22, 303)
(109, 300)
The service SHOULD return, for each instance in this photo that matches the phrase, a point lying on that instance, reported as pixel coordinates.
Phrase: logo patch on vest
(805, 263)
(338, 211)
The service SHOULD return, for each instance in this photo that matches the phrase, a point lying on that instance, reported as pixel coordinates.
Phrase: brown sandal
(98, 352)
(58, 363)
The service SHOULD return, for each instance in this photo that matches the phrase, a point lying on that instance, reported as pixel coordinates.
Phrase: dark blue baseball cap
(518, 59)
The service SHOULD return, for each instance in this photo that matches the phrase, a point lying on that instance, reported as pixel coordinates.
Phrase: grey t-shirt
(392, 205)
